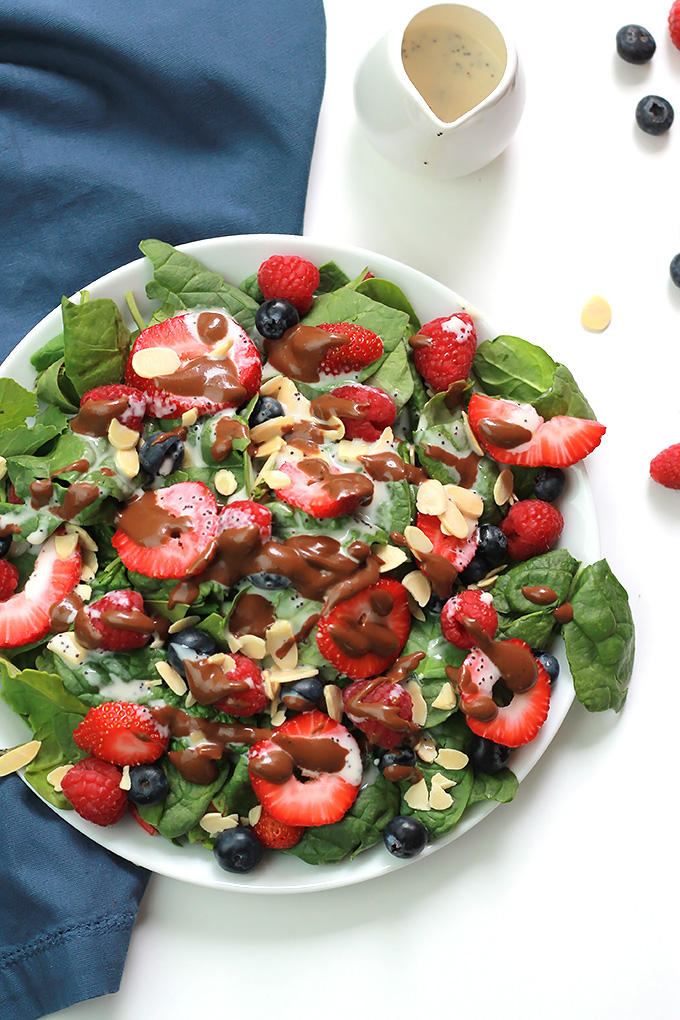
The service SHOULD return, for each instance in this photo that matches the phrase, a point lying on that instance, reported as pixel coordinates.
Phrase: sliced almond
(175, 682)
(333, 429)
(446, 699)
(190, 700)
(225, 482)
(213, 822)
(277, 479)
(426, 749)
(89, 567)
(418, 797)
(17, 757)
(503, 487)
(252, 646)
(333, 698)
(472, 438)
(178, 625)
(121, 436)
(155, 361)
(67, 648)
(271, 688)
(127, 462)
(85, 539)
(351, 449)
(55, 777)
(450, 758)
(431, 498)
(288, 676)
(221, 348)
(414, 609)
(65, 545)
(453, 522)
(279, 717)
(418, 586)
(443, 781)
(419, 703)
(190, 417)
(390, 556)
(467, 501)
(3, 468)
(84, 591)
(273, 427)
(271, 446)
(278, 636)
(440, 800)
(417, 540)
(254, 814)
(125, 781)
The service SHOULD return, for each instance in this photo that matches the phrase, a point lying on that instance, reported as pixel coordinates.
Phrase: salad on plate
(281, 568)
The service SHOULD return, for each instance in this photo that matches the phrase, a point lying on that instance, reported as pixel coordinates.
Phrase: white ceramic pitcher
(396, 116)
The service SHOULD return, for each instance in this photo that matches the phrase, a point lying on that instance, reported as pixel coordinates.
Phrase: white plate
(236, 258)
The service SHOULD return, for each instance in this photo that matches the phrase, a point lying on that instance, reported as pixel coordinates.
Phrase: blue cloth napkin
(121, 121)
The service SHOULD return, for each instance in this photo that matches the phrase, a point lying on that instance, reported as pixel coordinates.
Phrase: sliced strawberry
(276, 835)
(207, 383)
(104, 399)
(148, 828)
(317, 765)
(109, 614)
(323, 490)
(513, 724)
(243, 512)
(25, 617)
(121, 733)
(363, 635)
(375, 411)
(384, 711)
(168, 532)
(448, 556)
(515, 433)
(248, 696)
(9, 579)
(362, 348)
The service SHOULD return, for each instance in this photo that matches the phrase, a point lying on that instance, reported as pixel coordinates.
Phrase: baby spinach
(394, 377)
(600, 640)
(518, 617)
(185, 804)
(96, 343)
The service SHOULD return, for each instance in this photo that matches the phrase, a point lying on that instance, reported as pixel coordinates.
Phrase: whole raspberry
(375, 411)
(109, 615)
(384, 714)
(674, 23)
(9, 578)
(243, 513)
(447, 358)
(289, 277)
(93, 788)
(531, 528)
(363, 347)
(665, 467)
(472, 605)
(248, 696)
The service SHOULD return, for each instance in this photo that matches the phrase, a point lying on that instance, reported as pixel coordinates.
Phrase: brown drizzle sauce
(208, 682)
(327, 405)
(370, 632)
(564, 613)
(226, 431)
(211, 327)
(301, 350)
(539, 594)
(95, 416)
(503, 434)
(149, 524)
(465, 466)
(215, 379)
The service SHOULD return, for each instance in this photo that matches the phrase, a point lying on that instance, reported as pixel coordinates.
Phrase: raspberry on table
(674, 23)
(531, 527)
(665, 467)
(92, 787)
(289, 277)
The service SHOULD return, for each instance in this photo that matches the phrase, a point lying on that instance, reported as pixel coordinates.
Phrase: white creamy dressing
(452, 68)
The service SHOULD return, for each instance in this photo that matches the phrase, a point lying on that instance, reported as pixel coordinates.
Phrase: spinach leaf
(53, 387)
(360, 828)
(237, 795)
(107, 676)
(50, 352)
(453, 733)
(331, 277)
(388, 293)
(181, 282)
(16, 404)
(426, 636)
(394, 376)
(564, 397)
(501, 786)
(251, 287)
(600, 640)
(443, 449)
(23, 438)
(518, 617)
(96, 343)
(185, 804)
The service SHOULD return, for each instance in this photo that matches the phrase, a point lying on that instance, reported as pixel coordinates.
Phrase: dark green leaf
(394, 377)
(50, 352)
(96, 343)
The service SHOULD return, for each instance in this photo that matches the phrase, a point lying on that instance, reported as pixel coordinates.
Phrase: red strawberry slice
(363, 635)
(109, 614)
(375, 411)
(444, 349)
(384, 711)
(25, 617)
(168, 532)
(449, 555)
(208, 384)
(121, 733)
(244, 512)
(363, 347)
(320, 763)
(276, 835)
(513, 724)
(104, 399)
(322, 490)
(515, 433)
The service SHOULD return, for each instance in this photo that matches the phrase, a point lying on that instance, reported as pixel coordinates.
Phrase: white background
(564, 903)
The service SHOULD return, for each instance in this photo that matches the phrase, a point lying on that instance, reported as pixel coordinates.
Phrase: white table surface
(564, 903)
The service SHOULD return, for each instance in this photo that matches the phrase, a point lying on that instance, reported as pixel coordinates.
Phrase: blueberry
(634, 44)
(493, 545)
(654, 115)
(401, 757)
(550, 665)
(5, 545)
(161, 454)
(405, 836)
(189, 643)
(238, 850)
(270, 582)
(148, 784)
(274, 317)
(486, 756)
(675, 270)
(476, 569)
(302, 695)
(435, 604)
(549, 484)
(264, 410)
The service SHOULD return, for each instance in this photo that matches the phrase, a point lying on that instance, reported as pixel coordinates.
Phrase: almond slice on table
(16, 757)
